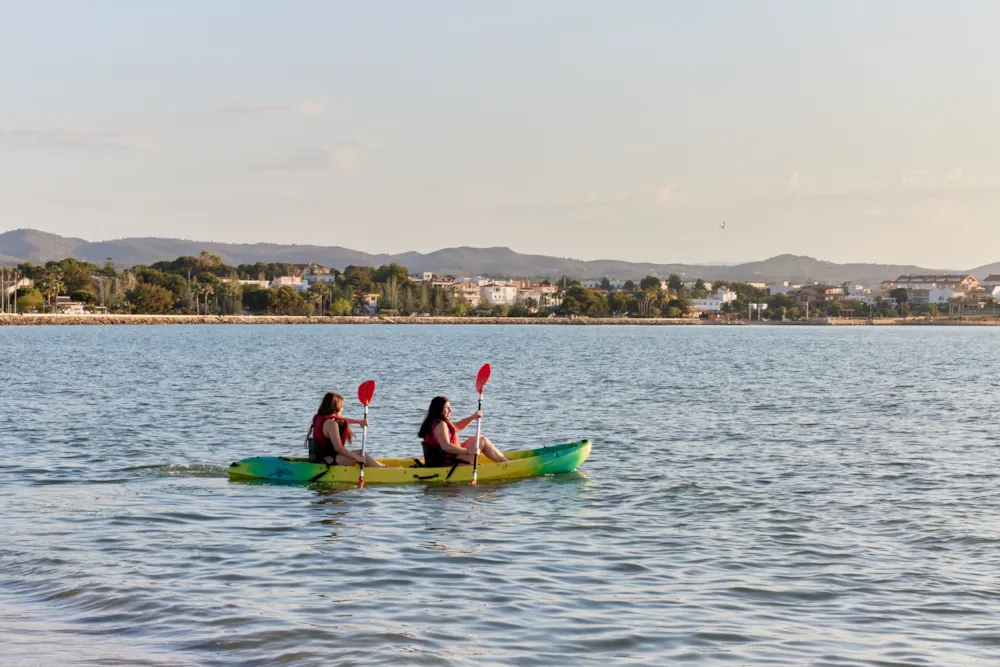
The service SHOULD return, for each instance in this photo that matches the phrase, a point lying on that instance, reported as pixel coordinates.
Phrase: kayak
(525, 463)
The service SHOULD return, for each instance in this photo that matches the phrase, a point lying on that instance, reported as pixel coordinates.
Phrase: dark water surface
(756, 496)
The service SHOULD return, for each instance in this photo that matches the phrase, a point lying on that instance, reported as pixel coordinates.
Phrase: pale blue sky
(848, 130)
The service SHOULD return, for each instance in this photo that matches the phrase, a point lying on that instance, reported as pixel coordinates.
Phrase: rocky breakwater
(31, 319)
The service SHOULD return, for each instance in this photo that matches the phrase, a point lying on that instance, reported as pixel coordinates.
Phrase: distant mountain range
(29, 245)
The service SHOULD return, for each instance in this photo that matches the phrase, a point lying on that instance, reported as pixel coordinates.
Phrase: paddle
(365, 393)
(481, 380)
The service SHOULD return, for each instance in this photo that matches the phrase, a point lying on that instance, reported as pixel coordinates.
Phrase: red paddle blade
(366, 391)
(482, 378)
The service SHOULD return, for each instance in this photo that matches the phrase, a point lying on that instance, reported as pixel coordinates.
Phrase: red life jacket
(434, 455)
(325, 447)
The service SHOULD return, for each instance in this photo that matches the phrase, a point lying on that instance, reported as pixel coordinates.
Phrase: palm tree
(323, 293)
(390, 293)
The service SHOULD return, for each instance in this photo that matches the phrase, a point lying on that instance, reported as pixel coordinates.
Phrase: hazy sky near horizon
(849, 130)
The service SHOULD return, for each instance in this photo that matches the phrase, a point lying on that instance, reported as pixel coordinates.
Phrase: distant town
(204, 285)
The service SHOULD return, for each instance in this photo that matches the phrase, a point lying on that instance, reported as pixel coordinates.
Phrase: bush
(150, 299)
(28, 299)
(83, 295)
(340, 307)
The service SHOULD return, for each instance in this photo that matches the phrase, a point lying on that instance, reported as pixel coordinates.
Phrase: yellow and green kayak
(526, 463)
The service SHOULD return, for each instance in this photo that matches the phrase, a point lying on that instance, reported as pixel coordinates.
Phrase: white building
(937, 295)
(714, 302)
(66, 306)
(262, 284)
(990, 282)
(598, 284)
(545, 296)
(496, 294)
(782, 288)
(861, 294)
(313, 278)
(467, 291)
(10, 285)
(290, 281)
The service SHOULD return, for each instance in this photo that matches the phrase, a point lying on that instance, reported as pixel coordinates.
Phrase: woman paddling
(440, 438)
(332, 433)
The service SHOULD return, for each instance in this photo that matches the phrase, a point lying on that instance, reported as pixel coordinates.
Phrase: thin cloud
(793, 181)
(76, 137)
(343, 157)
(279, 108)
(665, 194)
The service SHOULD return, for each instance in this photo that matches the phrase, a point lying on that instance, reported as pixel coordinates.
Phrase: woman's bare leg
(487, 448)
(369, 461)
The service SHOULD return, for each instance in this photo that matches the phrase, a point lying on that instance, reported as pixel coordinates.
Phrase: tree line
(206, 285)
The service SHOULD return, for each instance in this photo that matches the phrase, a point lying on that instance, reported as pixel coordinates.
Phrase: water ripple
(755, 497)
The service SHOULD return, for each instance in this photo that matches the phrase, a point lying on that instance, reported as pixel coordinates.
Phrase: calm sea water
(756, 496)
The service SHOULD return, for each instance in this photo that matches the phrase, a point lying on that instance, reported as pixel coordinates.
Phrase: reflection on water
(754, 497)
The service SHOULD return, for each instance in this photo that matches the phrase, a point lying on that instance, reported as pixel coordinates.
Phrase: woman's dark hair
(331, 404)
(434, 413)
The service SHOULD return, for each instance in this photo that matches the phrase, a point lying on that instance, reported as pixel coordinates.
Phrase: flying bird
(723, 225)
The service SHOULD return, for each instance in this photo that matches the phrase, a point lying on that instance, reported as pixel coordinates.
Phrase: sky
(848, 130)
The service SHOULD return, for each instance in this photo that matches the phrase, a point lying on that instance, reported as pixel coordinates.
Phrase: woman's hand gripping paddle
(365, 393)
(481, 380)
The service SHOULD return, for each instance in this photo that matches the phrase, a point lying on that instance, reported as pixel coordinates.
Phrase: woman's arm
(441, 435)
(356, 422)
(334, 435)
(464, 424)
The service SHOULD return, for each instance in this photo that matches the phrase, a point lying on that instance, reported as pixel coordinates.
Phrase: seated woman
(331, 432)
(440, 438)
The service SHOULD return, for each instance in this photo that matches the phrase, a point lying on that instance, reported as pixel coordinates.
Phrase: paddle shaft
(479, 430)
(364, 438)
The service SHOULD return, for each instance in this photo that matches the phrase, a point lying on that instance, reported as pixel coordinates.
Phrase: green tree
(83, 295)
(932, 309)
(699, 285)
(150, 299)
(75, 275)
(581, 301)
(679, 307)
(285, 300)
(51, 285)
(321, 293)
(566, 282)
(650, 283)
(617, 303)
(109, 270)
(675, 283)
(256, 300)
(340, 307)
(388, 271)
(605, 283)
(629, 285)
(899, 294)
(360, 278)
(28, 299)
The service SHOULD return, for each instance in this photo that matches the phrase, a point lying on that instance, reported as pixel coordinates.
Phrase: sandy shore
(48, 319)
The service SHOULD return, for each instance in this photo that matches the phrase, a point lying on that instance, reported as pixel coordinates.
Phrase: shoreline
(48, 319)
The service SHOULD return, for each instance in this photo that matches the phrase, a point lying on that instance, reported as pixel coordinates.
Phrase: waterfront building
(496, 294)
(957, 281)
